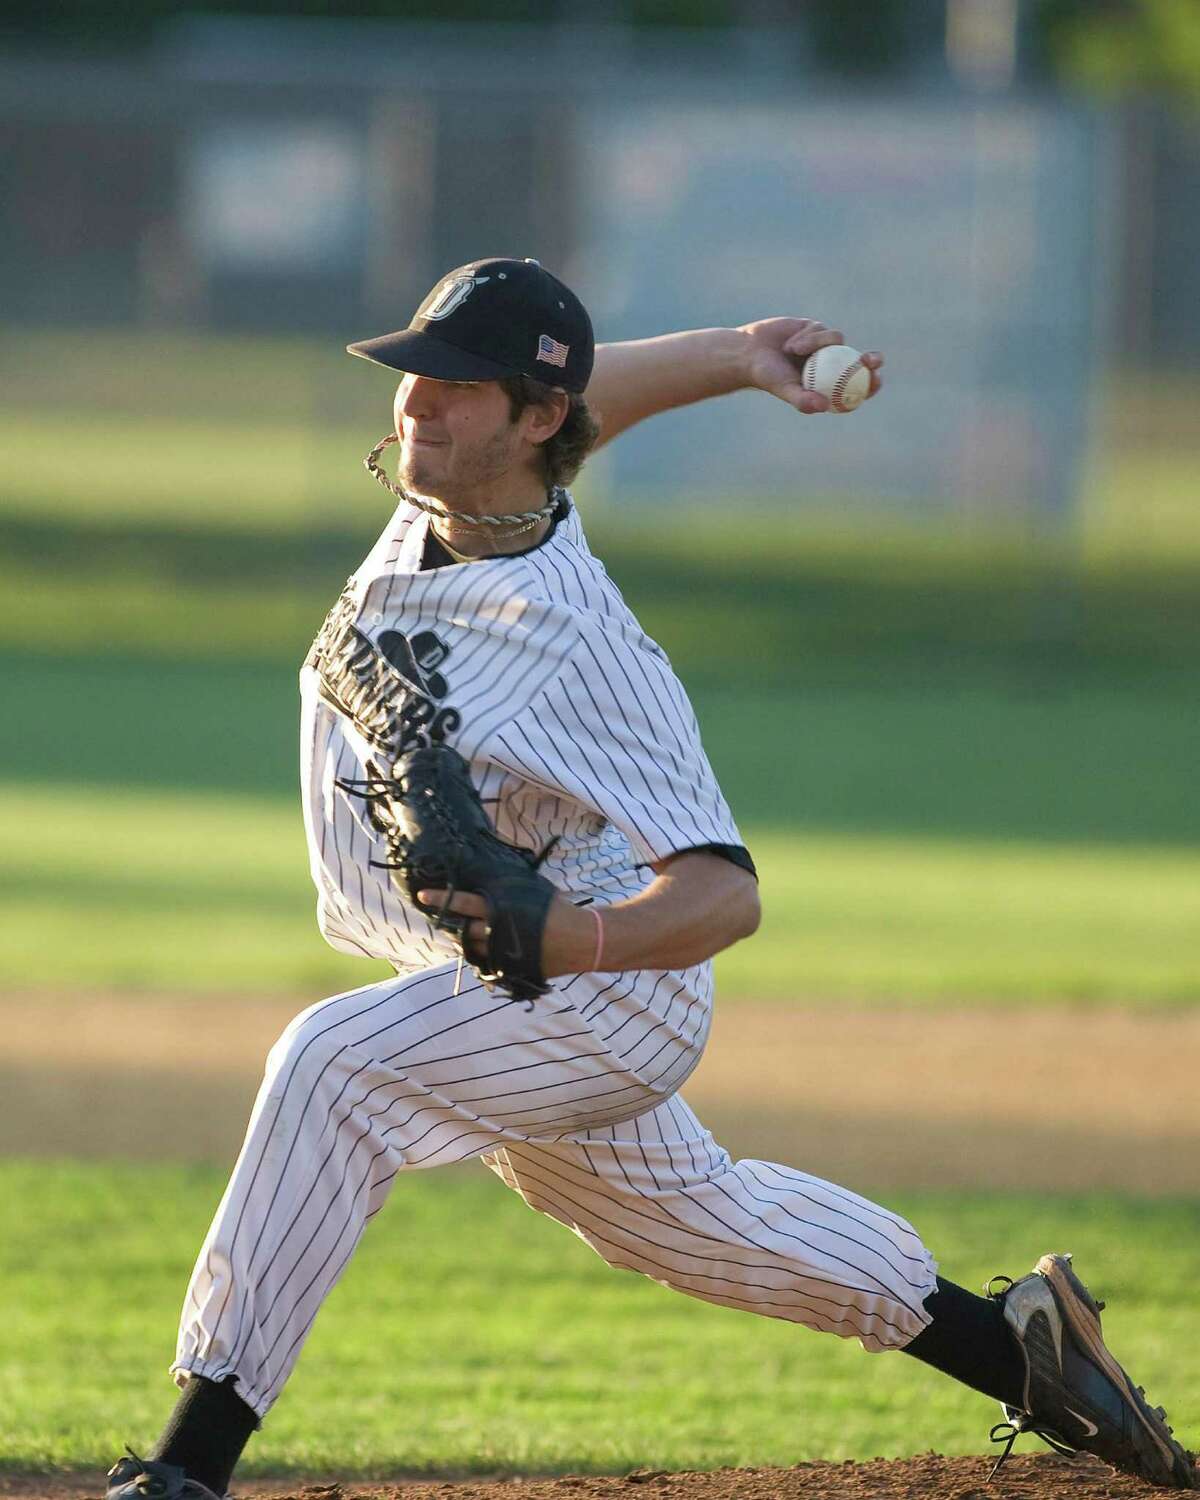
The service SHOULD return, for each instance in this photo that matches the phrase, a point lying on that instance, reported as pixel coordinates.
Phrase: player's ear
(543, 418)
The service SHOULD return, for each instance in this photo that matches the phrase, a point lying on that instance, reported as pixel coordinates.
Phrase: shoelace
(147, 1483)
(1008, 1432)
(997, 1286)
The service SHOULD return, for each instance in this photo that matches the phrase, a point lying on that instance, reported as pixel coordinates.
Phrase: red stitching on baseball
(840, 384)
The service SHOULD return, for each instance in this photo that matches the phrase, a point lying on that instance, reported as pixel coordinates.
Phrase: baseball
(839, 373)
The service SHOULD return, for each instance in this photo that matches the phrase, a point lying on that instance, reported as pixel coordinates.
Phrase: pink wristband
(595, 969)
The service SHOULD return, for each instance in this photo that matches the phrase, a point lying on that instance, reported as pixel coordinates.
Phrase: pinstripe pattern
(657, 1195)
(575, 1106)
(569, 715)
(577, 730)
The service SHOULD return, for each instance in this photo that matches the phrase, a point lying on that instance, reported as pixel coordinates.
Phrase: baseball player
(481, 686)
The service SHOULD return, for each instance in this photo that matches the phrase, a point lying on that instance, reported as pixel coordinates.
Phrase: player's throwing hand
(777, 350)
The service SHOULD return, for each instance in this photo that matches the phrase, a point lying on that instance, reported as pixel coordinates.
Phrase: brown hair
(564, 453)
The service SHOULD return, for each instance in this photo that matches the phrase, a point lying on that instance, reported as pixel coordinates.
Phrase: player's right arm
(641, 377)
(698, 904)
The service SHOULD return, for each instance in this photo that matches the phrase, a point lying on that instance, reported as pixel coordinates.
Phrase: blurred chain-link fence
(281, 179)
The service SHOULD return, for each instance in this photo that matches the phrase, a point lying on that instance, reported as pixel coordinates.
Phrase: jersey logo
(416, 660)
(452, 295)
(390, 690)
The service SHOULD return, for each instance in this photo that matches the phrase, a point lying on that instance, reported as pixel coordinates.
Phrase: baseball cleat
(134, 1478)
(1077, 1397)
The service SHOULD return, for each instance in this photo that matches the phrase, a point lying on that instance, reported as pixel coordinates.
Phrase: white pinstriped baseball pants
(574, 1105)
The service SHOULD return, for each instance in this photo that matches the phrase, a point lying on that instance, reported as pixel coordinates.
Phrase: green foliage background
(1104, 47)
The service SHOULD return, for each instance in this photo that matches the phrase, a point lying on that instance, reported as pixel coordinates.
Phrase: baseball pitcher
(506, 797)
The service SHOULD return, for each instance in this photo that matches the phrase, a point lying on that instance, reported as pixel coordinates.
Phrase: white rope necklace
(461, 518)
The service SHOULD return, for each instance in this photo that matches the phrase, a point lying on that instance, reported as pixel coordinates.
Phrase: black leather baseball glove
(441, 838)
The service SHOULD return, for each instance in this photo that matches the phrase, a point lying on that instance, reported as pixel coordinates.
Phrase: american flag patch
(552, 351)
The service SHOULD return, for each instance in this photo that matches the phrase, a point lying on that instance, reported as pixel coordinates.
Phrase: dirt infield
(1033, 1477)
(907, 1098)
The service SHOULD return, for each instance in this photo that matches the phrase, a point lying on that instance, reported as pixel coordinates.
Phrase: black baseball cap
(489, 320)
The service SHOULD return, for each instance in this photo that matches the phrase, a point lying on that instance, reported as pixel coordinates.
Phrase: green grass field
(944, 801)
(207, 890)
(966, 762)
(963, 753)
(471, 1336)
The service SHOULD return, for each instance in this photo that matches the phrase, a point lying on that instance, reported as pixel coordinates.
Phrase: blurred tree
(677, 12)
(868, 37)
(132, 23)
(1107, 46)
(1114, 47)
(871, 36)
(92, 21)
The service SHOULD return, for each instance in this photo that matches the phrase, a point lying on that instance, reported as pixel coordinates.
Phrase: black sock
(206, 1432)
(970, 1340)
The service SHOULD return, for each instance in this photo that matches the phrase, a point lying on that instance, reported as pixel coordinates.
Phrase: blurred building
(316, 176)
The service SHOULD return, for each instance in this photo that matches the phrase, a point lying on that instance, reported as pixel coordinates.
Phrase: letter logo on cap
(451, 295)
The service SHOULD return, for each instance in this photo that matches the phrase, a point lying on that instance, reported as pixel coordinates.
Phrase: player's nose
(416, 396)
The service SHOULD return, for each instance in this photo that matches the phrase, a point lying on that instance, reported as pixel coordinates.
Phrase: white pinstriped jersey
(535, 670)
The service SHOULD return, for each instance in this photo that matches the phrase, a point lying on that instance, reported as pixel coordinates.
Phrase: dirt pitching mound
(1033, 1478)
(929, 1476)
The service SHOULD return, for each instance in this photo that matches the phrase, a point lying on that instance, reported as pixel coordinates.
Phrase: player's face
(456, 439)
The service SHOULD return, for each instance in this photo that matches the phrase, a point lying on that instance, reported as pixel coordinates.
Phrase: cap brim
(418, 353)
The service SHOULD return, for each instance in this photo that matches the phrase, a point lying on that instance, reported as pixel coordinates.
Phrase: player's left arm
(641, 377)
(697, 904)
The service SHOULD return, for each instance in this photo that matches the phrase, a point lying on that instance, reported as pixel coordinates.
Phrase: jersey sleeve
(615, 732)
(736, 854)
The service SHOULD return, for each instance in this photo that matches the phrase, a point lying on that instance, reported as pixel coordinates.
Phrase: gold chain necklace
(468, 557)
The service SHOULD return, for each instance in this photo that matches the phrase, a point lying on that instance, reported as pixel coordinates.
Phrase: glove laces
(382, 789)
